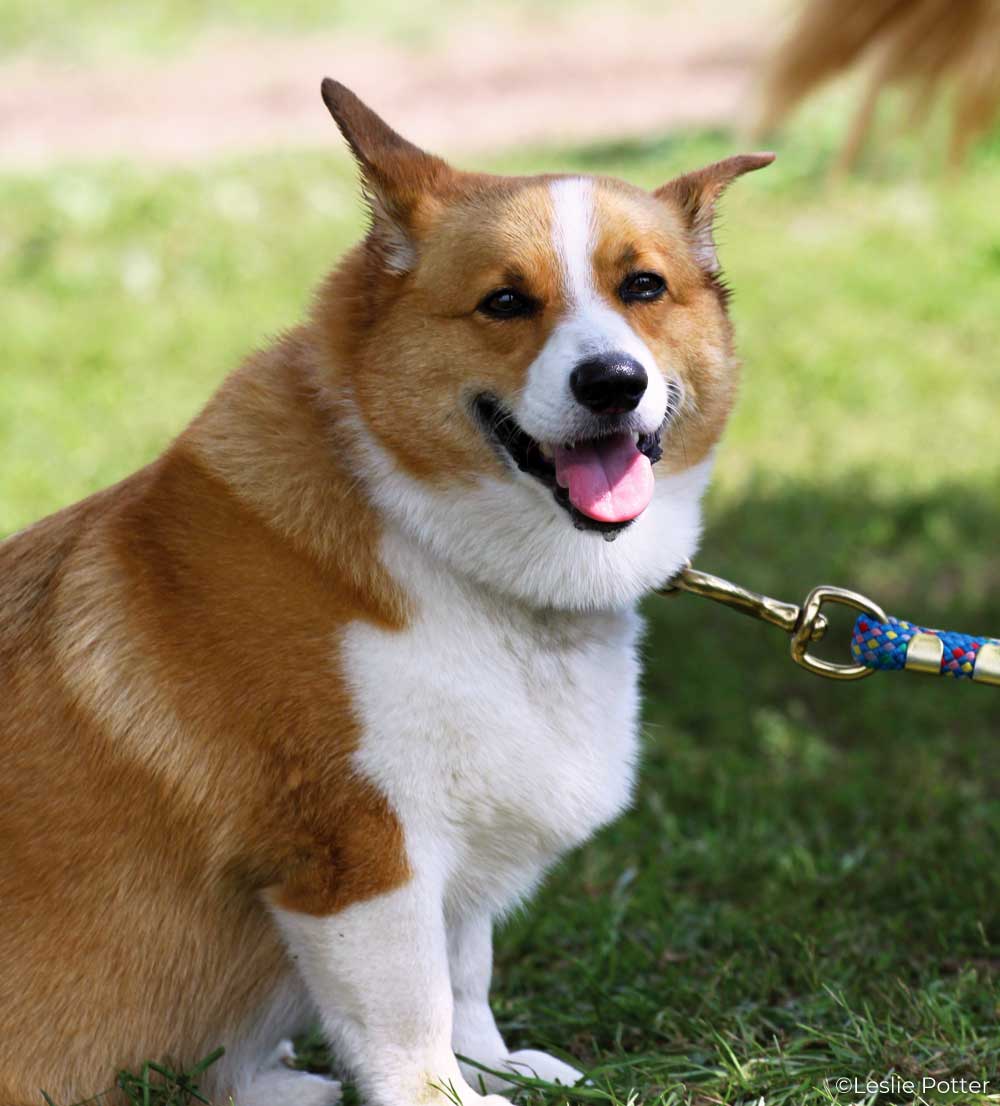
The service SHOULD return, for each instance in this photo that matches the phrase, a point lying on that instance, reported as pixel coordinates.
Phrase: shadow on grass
(808, 884)
(933, 559)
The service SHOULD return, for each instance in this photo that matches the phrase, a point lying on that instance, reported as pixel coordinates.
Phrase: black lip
(503, 430)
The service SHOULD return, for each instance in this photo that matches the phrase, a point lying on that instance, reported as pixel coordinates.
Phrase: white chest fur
(501, 735)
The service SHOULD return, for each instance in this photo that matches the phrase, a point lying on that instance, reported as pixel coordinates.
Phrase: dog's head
(538, 367)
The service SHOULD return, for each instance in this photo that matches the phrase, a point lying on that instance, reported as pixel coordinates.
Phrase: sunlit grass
(99, 31)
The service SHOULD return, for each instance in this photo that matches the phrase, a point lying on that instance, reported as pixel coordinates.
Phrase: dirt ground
(600, 75)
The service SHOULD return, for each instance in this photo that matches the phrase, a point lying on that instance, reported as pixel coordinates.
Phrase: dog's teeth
(635, 436)
(545, 450)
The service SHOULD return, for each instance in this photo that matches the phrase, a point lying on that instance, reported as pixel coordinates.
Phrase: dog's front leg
(378, 971)
(475, 1034)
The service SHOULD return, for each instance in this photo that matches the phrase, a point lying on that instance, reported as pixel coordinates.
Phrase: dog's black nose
(609, 385)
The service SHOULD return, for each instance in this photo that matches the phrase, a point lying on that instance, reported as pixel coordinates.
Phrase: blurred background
(808, 887)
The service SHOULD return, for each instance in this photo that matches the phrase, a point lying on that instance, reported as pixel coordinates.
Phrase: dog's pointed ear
(696, 194)
(397, 177)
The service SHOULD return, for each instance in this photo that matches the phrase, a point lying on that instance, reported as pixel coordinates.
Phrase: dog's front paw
(291, 1088)
(527, 1062)
(278, 1084)
(462, 1094)
(540, 1065)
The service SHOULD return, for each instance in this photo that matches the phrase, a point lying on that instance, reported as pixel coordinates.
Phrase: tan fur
(689, 328)
(175, 729)
(924, 46)
(175, 738)
(424, 396)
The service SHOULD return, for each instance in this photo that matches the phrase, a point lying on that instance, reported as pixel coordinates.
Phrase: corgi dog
(293, 715)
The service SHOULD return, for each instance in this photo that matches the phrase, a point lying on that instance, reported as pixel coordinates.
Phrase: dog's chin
(536, 459)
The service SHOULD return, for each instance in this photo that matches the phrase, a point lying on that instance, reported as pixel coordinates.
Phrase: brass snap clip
(804, 631)
(804, 624)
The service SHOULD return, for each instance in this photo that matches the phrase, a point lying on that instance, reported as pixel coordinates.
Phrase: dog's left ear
(398, 178)
(696, 195)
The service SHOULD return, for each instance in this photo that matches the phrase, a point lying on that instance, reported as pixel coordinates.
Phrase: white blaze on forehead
(573, 235)
(590, 327)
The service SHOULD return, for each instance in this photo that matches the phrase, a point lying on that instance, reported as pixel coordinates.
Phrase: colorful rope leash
(878, 643)
(894, 644)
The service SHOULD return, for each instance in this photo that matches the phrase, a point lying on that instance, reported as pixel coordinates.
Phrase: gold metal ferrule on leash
(804, 624)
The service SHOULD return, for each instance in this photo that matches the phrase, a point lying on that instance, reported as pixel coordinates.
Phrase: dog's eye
(506, 303)
(642, 286)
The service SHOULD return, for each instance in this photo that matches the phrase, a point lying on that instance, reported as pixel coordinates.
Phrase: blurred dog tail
(922, 46)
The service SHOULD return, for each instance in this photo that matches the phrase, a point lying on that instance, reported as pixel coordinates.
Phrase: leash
(878, 642)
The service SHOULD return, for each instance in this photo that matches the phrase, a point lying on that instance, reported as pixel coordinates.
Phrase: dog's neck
(271, 437)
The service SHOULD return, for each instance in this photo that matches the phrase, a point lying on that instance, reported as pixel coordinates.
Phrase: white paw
(284, 1054)
(283, 1086)
(541, 1065)
(527, 1062)
(473, 1098)
(454, 1091)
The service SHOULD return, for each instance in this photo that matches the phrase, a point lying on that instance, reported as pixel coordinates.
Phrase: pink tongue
(608, 480)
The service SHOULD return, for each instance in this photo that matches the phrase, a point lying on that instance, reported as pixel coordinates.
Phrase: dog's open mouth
(604, 483)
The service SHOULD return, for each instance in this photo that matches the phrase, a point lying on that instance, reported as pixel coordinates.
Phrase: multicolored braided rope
(896, 644)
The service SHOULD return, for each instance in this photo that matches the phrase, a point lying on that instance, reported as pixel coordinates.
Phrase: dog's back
(106, 912)
(165, 656)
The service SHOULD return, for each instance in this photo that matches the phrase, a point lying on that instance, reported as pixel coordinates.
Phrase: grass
(95, 31)
(807, 888)
(98, 31)
(154, 1085)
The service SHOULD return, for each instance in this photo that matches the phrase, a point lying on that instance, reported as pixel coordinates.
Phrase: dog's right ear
(696, 194)
(399, 180)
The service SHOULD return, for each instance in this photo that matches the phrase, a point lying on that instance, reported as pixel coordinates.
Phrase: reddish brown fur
(463, 352)
(923, 46)
(176, 729)
(176, 738)
(688, 329)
